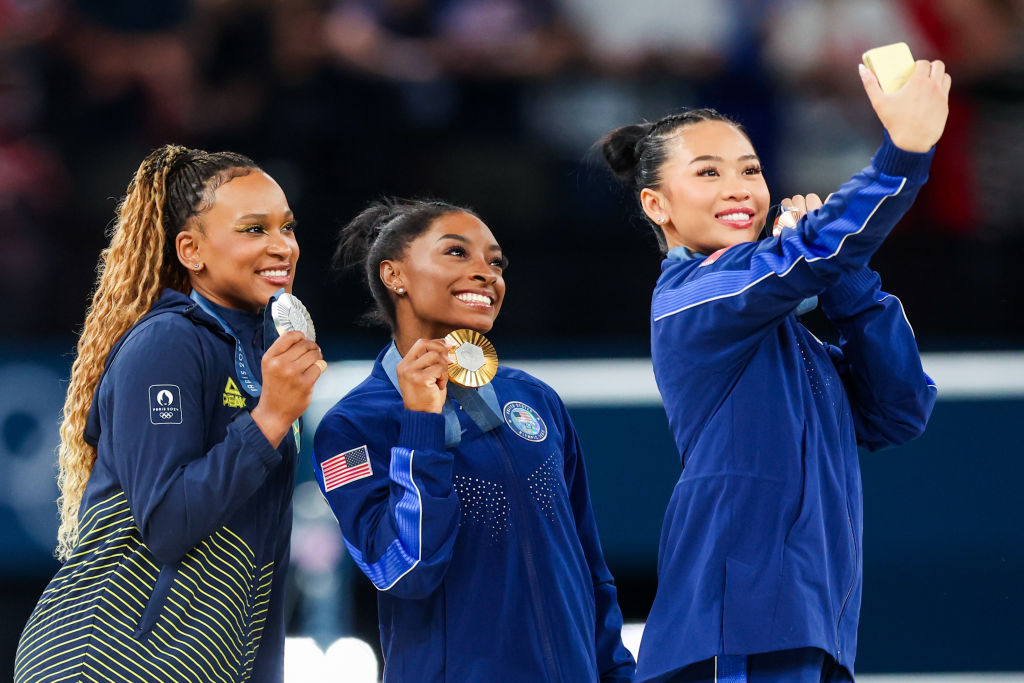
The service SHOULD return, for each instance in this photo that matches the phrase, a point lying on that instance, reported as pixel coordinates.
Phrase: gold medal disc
(476, 361)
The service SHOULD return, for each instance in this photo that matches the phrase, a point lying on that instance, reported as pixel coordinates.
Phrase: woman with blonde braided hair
(179, 438)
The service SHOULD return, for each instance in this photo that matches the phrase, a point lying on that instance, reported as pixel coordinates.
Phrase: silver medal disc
(289, 314)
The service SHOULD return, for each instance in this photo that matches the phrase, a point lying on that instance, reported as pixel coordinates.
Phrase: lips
(475, 299)
(740, 217)
(280, 275)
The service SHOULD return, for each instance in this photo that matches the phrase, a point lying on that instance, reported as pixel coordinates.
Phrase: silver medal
(289, 314)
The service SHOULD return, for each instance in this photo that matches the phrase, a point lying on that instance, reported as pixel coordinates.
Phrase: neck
(219, 300)
(406, 335)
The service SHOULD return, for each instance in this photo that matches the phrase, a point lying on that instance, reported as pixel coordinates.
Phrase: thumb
(871, 86)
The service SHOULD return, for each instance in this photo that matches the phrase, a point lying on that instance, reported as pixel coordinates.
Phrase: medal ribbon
(245, 376)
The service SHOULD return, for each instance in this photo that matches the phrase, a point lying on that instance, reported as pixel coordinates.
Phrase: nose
(735, 192)
(482, 271)
(279, 245)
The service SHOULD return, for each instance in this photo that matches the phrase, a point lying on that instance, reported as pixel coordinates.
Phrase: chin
(479, 323)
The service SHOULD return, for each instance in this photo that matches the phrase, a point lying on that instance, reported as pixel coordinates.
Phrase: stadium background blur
(496, 104)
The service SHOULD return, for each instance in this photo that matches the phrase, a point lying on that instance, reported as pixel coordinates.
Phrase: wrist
(421, 430)
(273, 425)
(419, 408)
(893, 160)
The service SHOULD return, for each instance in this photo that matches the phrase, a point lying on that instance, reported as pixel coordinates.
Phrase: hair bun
(357, 237)
(620, 149)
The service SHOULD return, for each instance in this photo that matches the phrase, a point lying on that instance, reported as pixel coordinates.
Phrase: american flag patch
(345, 468)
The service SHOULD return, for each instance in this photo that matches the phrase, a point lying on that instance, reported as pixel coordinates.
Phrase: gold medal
(476, 361)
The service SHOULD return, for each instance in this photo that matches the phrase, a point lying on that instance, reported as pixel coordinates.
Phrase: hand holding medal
(474, 360)
(289, 314)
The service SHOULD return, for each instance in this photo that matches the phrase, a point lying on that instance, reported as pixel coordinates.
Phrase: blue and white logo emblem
(165, 404)
(524, 421)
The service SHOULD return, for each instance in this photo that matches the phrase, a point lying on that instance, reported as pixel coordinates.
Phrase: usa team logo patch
(345, 468)
(524, 421)
(165, 404)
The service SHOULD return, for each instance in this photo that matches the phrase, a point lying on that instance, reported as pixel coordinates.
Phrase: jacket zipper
(853, 582)
(531, 569)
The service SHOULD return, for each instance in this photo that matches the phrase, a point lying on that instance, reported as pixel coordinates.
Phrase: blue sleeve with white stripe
(726, 303)
(399, 519)
(890, 394)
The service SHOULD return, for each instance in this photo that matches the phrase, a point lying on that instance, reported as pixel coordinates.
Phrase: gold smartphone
(892, 64)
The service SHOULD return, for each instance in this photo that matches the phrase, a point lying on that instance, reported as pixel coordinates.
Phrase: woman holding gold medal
(459, 485)
(759, 568)
(180, 435)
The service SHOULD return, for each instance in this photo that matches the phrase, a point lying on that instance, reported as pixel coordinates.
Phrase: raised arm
(399, 513)
(391, 491)
(743, 291)
(180, 488)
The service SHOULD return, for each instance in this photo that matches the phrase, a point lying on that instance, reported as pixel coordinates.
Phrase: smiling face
(244, 242)
(452, 278)
(712, 193)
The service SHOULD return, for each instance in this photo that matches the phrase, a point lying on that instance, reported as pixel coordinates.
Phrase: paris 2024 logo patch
(524, 421)
(165, 404)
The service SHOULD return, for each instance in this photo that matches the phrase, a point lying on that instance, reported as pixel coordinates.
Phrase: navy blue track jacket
(183, 547)
(761, 544)
(484, 551)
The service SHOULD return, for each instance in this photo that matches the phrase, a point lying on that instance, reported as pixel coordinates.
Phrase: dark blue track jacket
(761, 544)
(183, 547)
(482, 543)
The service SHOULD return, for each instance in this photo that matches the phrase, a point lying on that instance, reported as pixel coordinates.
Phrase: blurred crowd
(497, 103)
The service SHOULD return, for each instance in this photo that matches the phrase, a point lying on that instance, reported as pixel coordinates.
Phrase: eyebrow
(460, 238)
(262, 216)
(712, 157)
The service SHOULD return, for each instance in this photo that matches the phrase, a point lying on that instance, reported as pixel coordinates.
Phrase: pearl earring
(400, 290)
(662, 219)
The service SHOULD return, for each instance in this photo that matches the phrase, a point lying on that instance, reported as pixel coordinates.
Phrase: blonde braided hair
(138, 264)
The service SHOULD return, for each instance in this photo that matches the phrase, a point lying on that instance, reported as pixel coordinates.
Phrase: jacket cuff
(250, 434)
(841, 297)
(421, 431)
(891, 160)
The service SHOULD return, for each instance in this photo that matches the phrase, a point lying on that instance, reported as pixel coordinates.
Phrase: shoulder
(365, 409)
(162, 329)
(515, 378)
(517, 385)
(161, 339)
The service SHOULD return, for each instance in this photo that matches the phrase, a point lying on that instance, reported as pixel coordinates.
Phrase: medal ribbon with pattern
(245, 376)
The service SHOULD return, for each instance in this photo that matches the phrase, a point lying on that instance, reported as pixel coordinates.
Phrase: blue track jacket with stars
(761, 544)
(179, 571)
(482, 543)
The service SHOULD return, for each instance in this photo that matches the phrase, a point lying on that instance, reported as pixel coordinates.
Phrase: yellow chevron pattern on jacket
(112, 614)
